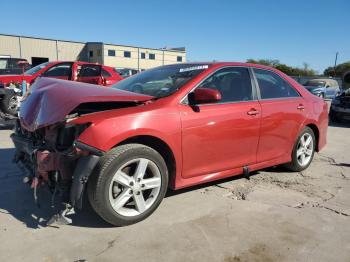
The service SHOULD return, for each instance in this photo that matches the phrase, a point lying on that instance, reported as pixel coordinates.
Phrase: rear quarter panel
(317, 115)
(316, 111)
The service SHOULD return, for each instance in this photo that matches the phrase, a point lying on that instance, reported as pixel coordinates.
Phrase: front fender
(163, 124)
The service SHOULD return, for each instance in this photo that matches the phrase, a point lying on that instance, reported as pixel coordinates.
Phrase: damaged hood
(51, 100)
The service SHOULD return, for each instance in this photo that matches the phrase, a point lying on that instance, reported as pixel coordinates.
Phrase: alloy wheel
(135, 187)
(305, 149)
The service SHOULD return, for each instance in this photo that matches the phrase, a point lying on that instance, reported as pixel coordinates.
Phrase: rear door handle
(300, 107)
(253, 112)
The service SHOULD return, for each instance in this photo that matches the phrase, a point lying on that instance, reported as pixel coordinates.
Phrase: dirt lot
(274, 216)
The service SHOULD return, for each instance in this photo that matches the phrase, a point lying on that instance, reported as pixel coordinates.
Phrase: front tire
(303, 151)
(128, 184)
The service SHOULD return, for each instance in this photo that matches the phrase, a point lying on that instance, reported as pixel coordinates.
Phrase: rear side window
(89, 71)
(105, 73)
(233, 83)
(272, 85)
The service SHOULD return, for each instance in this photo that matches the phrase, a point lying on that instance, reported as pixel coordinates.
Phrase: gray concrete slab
(274, 216)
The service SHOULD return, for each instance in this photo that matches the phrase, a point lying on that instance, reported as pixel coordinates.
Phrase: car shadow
(341, 164)
(17, 198)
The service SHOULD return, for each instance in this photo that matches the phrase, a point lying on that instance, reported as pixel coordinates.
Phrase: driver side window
(233, 83)
(60, 70)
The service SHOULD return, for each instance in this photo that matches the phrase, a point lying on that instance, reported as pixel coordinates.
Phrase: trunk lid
(51, 100)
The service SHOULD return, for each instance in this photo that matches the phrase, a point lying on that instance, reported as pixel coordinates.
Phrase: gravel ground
(274, 216)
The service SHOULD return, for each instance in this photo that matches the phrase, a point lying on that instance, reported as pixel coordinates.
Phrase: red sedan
(75, 71)
(10, 85)
(174, 126)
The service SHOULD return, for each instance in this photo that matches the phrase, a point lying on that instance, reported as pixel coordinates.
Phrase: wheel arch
(161, 147)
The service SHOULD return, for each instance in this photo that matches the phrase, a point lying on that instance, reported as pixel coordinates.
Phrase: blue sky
(291, 31)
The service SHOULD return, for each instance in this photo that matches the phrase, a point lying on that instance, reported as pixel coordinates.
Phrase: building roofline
(42, 38)
(151, 48)
(68, 41)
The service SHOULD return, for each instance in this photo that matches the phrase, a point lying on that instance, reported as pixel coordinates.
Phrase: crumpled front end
(51, 157)
(46, 135)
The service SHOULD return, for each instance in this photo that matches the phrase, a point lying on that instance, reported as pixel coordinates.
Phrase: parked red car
(174, 126)
(75, 71)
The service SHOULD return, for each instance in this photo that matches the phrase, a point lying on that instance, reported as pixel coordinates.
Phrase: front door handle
(301, 107)
(253, 112)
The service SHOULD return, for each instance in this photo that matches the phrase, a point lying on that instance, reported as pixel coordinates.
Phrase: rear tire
(303, 151)
(118, 194)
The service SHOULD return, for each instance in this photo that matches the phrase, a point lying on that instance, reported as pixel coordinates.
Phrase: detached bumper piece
(22, 144)
(81, 175)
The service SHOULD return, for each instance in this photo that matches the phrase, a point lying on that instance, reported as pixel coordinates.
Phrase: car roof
(221, 64)
(80, 62)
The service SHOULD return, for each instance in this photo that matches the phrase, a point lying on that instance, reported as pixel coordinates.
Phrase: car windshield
(161, 81)
(35, 69)
(316, 83)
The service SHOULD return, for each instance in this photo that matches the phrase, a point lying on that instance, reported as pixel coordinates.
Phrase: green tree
(339, 69)
(289, 70)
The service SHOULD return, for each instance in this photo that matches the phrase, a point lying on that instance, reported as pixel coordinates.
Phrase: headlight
(68, 134)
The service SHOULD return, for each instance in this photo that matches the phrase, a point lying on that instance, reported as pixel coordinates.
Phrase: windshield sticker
(200, 67)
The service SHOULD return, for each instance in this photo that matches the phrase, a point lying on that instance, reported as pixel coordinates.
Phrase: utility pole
(335, 63)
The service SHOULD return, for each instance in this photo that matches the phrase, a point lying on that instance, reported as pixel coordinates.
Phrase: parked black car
(13, 66)
(340, 107)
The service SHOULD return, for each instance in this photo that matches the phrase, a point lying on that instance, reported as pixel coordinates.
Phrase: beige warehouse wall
(9, 46)
(170, 57)
(71, 51)
(148, 63)
(66, 50)
(119, 60)
(32, 47)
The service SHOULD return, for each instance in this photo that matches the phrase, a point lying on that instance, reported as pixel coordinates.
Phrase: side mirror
(204, 96)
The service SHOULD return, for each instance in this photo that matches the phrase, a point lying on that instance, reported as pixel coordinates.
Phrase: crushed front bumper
(39, 162)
